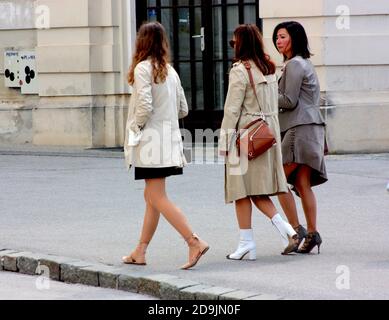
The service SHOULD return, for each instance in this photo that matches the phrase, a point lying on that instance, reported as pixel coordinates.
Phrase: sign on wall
(20, 71)
(11, 69)
(27, 72)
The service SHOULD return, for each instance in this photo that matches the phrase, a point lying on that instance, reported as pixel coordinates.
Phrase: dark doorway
(199, 31)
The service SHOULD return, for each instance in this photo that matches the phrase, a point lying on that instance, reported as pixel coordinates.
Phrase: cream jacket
(154, 110)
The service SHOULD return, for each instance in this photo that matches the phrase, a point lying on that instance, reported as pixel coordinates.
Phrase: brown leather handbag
(256, 137)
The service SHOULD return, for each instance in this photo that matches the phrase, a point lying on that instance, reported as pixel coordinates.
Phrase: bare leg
(308, 199)
(150, 223)
(264, 204)
(243, 213)
(287, 200)
(155, 194)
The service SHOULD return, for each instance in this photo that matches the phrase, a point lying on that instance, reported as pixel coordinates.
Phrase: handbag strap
(248, 68)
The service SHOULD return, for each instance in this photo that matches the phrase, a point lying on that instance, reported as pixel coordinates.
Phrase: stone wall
(350, 40)
(82, 63)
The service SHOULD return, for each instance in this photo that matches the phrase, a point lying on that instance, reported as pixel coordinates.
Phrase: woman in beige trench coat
(248, 182)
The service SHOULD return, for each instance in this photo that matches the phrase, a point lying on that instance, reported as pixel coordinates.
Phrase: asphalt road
(90, 208)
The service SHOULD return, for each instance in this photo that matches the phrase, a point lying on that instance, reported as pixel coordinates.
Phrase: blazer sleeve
(232, 107)
(144, 106)
(294, 75)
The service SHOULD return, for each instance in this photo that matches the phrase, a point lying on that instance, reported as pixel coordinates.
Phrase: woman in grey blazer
(302, 129)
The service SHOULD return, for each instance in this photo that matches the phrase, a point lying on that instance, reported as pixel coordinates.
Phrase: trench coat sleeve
(182, 103)
(144, 107)
(294, 75)
(232, 108)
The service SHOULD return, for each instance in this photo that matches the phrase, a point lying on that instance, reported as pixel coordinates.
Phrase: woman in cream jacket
(158, 101)
(252, 182)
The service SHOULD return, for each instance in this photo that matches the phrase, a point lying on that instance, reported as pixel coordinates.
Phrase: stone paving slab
(162, 286)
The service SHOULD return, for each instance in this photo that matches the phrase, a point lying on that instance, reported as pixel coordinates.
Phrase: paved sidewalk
(89, 208)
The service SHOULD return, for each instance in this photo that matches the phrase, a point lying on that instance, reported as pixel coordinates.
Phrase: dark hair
(151, 43)
(300, 46)
(249, 46)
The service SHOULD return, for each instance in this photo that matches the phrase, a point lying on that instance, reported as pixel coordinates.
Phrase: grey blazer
(299, 94)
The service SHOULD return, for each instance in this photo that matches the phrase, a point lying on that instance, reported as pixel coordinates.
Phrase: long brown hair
(249, 46)
(151, 42)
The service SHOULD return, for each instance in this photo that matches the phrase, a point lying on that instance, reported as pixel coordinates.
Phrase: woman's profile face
(284, 42)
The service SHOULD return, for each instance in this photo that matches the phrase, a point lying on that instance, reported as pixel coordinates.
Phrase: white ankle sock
(283, 228)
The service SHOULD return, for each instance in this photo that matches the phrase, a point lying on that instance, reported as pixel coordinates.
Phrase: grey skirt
(305, 145)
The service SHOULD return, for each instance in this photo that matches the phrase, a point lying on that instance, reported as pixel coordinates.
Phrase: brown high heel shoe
(137, 256)
(292, 246)
(312, 240)
(197, 248)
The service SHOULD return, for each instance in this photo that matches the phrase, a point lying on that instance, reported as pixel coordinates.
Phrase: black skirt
(155, 173)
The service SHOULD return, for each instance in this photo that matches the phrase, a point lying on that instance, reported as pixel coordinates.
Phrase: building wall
(352, 63)
(83, 58)
(82, 63)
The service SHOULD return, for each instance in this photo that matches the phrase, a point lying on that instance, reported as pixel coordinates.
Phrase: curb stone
(162, 286)
(213, 293)
(10, 261)
(3, 253)
(264, 297)
(130, 281)
(191, 292)
(170, 289)
(237, 295)
(53, 263)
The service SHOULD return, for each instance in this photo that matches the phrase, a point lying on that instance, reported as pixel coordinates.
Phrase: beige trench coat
(263, 175)
(155, 110)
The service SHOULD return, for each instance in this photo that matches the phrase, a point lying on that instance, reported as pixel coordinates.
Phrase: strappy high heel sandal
(138, 256)
(197, 248)
(301, 233)
(312, 240)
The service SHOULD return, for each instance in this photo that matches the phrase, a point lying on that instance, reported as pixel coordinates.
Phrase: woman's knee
(303, 179)
(303, 186)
